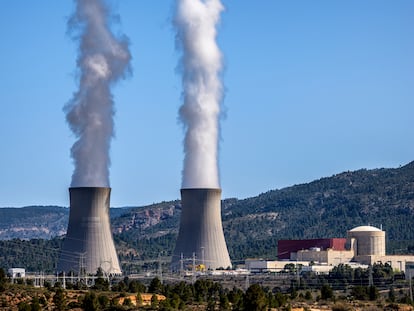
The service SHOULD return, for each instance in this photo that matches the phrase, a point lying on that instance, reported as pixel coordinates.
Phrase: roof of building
(365, 228)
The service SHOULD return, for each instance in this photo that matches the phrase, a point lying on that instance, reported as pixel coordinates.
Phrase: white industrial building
(263, 266)
(365, 246)
(17, 272)
(370, 248)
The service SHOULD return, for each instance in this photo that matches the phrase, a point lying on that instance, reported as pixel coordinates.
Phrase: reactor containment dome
(370, 240)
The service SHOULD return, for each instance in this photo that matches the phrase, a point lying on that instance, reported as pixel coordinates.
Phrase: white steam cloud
(103, 59)
(201, 63)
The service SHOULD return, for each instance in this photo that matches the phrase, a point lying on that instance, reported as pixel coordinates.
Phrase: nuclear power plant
(364, 245)
(201, 234)
(89, 243)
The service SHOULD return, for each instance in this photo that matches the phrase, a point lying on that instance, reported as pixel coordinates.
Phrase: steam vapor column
(89, 243)
(201, 230)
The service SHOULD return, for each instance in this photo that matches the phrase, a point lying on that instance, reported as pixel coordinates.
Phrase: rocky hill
(327, 207)
(29, 222)
(37, 222)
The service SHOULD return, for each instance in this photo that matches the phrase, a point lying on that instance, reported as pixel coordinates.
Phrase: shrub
(326, 292)
(341, 307)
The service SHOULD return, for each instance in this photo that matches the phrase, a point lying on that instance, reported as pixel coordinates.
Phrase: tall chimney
(201, 230)
(89, 243)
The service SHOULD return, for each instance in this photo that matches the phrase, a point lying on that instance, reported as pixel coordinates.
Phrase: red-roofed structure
(285, 247)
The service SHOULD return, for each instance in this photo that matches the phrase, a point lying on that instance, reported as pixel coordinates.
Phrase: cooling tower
(201, 230)
(89, 244)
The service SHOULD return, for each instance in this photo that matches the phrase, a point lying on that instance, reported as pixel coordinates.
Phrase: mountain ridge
(326, 207)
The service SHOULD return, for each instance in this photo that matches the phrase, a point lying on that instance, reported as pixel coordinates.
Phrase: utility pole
(194, 272)
(80, 266)
(202, 256)
(371, 282)
(160, 267)
(81, 274)
(181, 265)
(411, 288)
(107, 276)
(297, 274)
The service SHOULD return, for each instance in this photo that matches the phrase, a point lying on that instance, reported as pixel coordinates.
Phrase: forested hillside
(38, 222)
(43, 222)
(327, 207)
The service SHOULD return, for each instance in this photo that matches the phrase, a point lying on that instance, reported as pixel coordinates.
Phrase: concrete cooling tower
(201, 230)
(89, 243)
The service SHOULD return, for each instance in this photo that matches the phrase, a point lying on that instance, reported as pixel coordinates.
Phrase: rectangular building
(17, 272)
(286, 247)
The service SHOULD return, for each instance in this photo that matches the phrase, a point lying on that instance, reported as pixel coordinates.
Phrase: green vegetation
(327, 207)
(43, 222)
(34, 255)
(3, 280)
(343, 277)
(204, 294)
(323, 208)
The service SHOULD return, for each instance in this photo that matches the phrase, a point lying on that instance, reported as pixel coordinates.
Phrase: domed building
(369, 241)
(368, 244)
(364, 245)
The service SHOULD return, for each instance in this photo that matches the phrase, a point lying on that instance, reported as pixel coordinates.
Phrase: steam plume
(102, 60)
(201, 63)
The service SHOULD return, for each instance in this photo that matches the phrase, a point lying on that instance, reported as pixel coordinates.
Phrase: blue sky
(313, 88)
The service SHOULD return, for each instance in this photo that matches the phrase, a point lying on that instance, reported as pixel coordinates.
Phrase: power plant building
(364, 245)
(286, 247)
(370, 240)
(370, 248)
